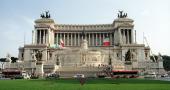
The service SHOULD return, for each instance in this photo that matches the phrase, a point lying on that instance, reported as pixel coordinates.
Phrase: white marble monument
(84, 47)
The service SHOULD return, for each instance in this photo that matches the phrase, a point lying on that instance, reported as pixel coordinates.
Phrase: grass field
(90, 84)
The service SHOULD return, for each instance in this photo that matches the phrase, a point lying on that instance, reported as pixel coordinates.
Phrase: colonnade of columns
(41, 36)
(75, 38)
(127, 36)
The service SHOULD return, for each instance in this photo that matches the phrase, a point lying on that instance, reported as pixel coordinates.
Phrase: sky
(151, 19)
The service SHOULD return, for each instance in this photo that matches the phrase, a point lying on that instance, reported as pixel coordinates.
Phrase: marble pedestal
(39, 69)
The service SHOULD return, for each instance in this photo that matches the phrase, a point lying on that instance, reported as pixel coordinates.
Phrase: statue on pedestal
(39, 64)
(128, 56)
(38, 56)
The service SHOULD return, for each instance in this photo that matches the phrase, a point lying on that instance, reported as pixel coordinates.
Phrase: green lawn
(90, 84)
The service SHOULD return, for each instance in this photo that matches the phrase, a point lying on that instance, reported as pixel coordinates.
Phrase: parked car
(52, 76)
(164, 75)
(79, 76)
(25, 75)
(150, 75)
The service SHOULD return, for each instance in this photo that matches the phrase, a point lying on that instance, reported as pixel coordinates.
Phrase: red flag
(106, 42)
(61, 43)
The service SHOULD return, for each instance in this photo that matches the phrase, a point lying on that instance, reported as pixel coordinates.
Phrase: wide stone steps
(71, 71)
(69, 68)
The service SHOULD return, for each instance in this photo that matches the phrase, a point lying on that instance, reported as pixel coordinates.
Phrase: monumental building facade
(72, 48)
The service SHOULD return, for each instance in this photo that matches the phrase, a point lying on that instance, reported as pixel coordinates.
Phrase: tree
(166, 62)
(14, 59)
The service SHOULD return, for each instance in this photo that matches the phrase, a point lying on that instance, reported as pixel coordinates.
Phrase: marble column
(43, 36)
(96, 42)
(64, 38)
(47, 41)
(78, 39)
(68, 41)
(75, 39)
(40, 37)
(89, 40)
(37, 38)
(103, 37)
(57, 38)
(60, 38)
(132, 37)
(100, 39)
(120, 36)
(71, 39)
(124, 37)
(127, 36)
(52, 37)
(92, 39)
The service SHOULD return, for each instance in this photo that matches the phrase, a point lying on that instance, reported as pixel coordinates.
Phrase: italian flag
(61, 43)
(106, 42)
(58, 44)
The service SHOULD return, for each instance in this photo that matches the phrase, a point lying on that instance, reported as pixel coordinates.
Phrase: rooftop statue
(46, 15)
(121, 14)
